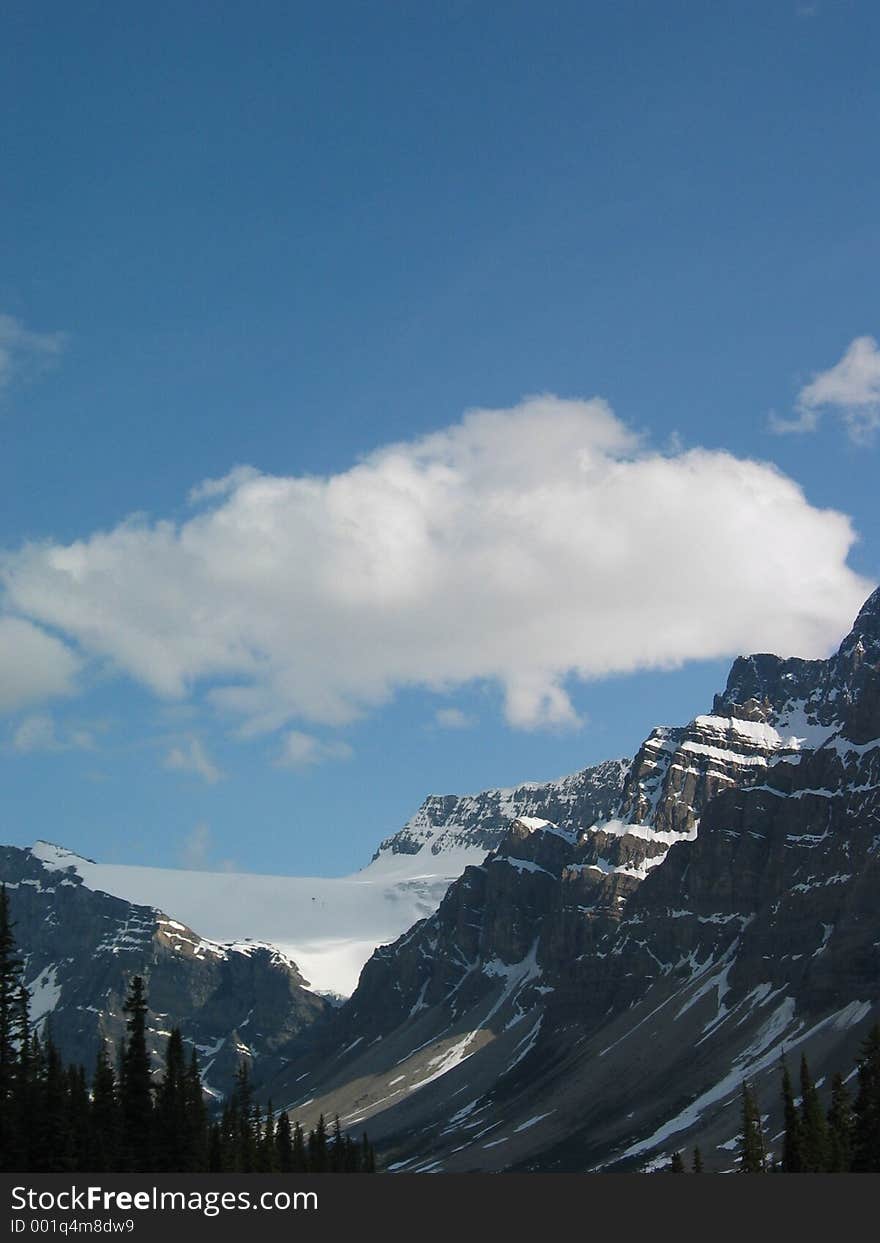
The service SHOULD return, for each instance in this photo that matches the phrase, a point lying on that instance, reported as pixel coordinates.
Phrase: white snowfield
(329, 926)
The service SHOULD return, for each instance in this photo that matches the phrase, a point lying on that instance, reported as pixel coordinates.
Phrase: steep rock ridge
(480, 821)
(787, 859)
(81, 948)
(595, 998)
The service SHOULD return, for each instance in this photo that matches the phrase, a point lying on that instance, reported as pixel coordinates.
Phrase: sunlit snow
(329, 926)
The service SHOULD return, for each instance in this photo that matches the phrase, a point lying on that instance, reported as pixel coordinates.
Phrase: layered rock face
(594, 995)
(82, 947)
(479, 822)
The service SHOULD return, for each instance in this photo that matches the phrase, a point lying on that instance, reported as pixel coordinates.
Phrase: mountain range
(567, 976)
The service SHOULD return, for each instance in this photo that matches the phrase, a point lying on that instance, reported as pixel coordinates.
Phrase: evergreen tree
(368, 1156)
(317, 1155)
(244, 1149)
(54, 1153)
(300, 1156)
(284, 1145)
(79, 1120)
(216, 1151)
(753, 1151)
(196, 1116)
(35, 1119)
(698, 1162)
(866, 1133)
(814, 1134)
(337, 1148)
(792, 1148)
(105, 1132)
(10, 990)
(24, 1100)
(136, 1084)
(170, 1123)
(676, 1165)
(840, 1128)
(268, 1151)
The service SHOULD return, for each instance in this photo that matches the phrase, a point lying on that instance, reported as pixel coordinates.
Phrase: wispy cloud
(850, 390)
(40, 732)
(195, 848)
(191, 756)
(299, 750)
(534, 548)
(25, 353)
(453, 718)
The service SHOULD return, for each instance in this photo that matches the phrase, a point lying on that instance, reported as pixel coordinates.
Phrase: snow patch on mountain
(328, 926)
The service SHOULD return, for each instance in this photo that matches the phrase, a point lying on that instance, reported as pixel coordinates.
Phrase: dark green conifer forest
(54, 1120)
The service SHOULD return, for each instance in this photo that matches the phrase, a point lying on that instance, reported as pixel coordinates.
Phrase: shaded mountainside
(594, 995)
(81, 948)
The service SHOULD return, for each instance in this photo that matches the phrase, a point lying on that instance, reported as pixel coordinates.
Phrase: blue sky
(290, 237)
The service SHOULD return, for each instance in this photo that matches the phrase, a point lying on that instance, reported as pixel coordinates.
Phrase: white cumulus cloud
(850, 389)
(34, 666)
(531, 547)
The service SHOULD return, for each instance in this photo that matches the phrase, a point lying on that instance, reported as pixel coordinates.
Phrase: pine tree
(170, 1123)
(866, 1136)
(268, 1151)
(698, 1162)
(284, 1144)
(792, 1148)
(10, 990)
(300, 1156)
(676, 1165)
(337, 1148)
(36, 1095)
(317, 1156)
(814, 1134)
(105, 1132)
(368, 1156)
(840, 1128)
(79, 1120)
(196, 1117)
(24, 1100)
(136, 1084)
(244, 1154)
(753, 1151)
(216, 1150)
(55, 1141)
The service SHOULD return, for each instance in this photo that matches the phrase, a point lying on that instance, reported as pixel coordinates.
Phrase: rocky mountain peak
(868, 618)
(479, 822)
(594, 993)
